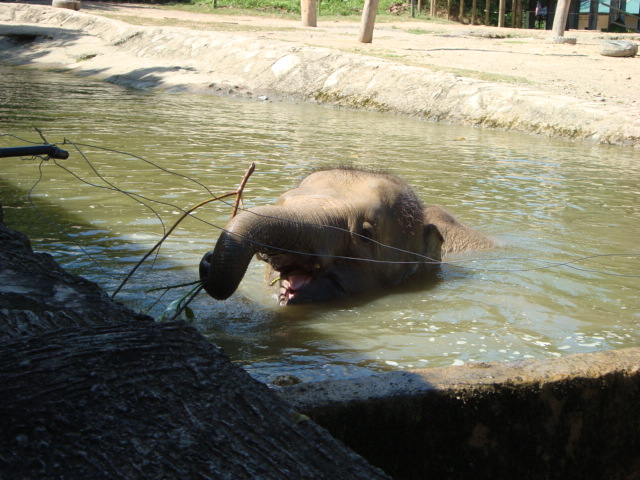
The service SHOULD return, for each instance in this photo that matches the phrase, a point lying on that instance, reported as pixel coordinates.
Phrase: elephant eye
(366, 232)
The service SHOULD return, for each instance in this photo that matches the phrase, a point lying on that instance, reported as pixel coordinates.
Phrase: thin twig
(171, 287)
(173, 227)
(41, 134)
(247, 174)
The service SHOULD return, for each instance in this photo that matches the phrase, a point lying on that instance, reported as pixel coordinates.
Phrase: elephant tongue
(296, 281)
(292, 284)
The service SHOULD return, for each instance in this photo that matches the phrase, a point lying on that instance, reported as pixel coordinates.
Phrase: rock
(618, 48)
(563, 40)
(286, 380)
(37, 295)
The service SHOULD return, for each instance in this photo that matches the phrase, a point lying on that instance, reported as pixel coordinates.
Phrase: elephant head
(341, 232)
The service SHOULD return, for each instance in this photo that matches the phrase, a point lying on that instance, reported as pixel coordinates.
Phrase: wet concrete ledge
(576, 417)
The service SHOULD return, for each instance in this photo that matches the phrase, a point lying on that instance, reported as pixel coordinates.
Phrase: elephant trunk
(259, 230)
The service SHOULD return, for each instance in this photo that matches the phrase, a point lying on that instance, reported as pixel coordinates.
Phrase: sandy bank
(179, 59)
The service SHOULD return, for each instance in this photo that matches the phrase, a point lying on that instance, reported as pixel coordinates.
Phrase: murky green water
(548, 201)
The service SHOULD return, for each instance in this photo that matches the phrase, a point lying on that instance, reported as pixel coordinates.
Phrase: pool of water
(567, 216)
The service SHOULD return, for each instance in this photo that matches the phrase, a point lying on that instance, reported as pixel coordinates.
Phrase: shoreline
(178, 59)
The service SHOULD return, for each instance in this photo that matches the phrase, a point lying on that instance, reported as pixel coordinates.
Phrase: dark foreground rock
(112, 395)
(37, 295)
(151, 401)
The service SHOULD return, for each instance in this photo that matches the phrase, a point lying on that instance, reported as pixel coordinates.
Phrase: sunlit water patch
(566, 215)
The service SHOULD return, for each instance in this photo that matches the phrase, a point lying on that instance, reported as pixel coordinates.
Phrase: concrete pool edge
(571, 417)
(177, 59)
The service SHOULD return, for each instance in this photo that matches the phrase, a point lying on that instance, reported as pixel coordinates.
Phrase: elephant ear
(433, 241)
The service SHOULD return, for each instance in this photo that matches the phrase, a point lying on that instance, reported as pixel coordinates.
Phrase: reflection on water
(548, 202)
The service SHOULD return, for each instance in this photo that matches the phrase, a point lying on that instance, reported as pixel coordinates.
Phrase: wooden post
(519, 14)
(368, 21)
(560, 18)
(474, 7)
(433, 8)
(487, 12)
(448, 9)
(309, 15)
(516, 14)
(70, 4)
(461, 14)
(593, 15)
(501, 9)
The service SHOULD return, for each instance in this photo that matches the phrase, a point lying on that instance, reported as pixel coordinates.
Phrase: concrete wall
(576, 417)
(603, 22)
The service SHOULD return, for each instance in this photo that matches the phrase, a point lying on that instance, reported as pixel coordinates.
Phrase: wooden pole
(433, 8)
(448, 9)
(560, 18)
(474, 6)
(309, 15)
(368, 21)
(487, 12)
(501, 9)
(70, 4)
(461, 14)
(514, 13)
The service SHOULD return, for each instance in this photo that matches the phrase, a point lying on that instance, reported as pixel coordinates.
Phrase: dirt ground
(516, 56)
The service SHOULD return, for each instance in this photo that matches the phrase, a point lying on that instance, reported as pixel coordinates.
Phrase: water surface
(567, 216)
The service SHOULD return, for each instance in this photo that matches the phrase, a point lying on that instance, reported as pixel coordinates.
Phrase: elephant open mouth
(292, 285)
(301, 280)
(294, 276)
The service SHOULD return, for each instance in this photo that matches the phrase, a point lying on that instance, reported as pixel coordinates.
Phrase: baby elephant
(340, 233)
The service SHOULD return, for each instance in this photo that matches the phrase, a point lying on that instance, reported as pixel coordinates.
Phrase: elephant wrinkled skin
(340, 233)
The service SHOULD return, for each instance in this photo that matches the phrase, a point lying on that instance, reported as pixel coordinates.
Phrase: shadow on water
(51, 228)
